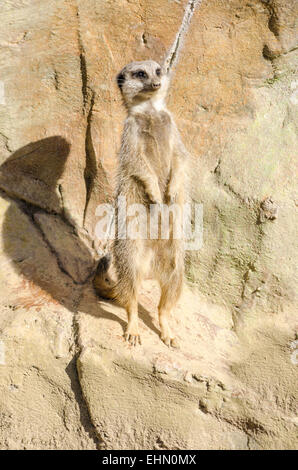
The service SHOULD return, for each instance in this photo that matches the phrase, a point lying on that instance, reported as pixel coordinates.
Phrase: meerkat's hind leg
(132, 334)
(170, 293)
(126, 254)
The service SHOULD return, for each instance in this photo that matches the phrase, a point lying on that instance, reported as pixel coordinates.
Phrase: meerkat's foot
(170, 342)
(167, 337)
(134, 340)
(132, 335)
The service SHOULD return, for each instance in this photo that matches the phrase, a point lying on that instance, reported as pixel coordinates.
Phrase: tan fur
(151, 170)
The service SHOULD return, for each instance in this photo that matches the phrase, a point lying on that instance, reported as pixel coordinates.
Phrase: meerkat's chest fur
(154, 131)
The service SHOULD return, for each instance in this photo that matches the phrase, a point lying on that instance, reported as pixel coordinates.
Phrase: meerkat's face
(141, 81)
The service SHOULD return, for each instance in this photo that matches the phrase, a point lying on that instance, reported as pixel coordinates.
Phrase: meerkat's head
(142, 81)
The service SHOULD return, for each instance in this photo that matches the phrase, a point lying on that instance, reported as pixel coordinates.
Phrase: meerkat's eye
(140, 74)
(158, 72)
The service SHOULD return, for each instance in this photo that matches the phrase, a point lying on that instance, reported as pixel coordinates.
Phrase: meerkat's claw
(174, 343)
(167, 341)
(133, 340)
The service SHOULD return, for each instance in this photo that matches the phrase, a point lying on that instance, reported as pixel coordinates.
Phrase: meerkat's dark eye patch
(140, 74)
(120, 80)
(158, 72)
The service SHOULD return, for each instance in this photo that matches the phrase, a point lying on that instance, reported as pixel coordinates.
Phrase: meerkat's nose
(155, 86)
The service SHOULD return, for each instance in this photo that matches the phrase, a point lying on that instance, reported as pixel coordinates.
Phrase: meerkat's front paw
(173, 198)
(155, 194)
(173, 193)
(157, 198)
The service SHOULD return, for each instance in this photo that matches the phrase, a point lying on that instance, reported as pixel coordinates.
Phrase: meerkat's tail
(103, 283)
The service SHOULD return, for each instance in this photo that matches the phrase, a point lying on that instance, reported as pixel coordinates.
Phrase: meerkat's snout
(155, 86)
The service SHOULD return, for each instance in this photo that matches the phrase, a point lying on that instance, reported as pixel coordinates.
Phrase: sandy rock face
(67, 379)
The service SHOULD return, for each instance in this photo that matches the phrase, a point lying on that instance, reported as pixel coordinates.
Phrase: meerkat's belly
(155, 134)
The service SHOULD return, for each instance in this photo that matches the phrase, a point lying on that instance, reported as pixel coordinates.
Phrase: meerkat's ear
(120, 79)
(163, 69)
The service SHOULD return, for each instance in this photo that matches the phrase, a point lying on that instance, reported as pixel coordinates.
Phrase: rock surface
(67, 379)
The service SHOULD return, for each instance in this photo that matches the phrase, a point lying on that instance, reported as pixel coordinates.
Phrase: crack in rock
(273, 24)
(90, 171)
(172, 56)
(6, 142)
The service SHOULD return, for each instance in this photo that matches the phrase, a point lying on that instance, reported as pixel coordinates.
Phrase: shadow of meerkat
(31, 171)
(30, 179)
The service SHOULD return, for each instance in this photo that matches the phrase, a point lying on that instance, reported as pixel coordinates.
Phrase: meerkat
(152, 170)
